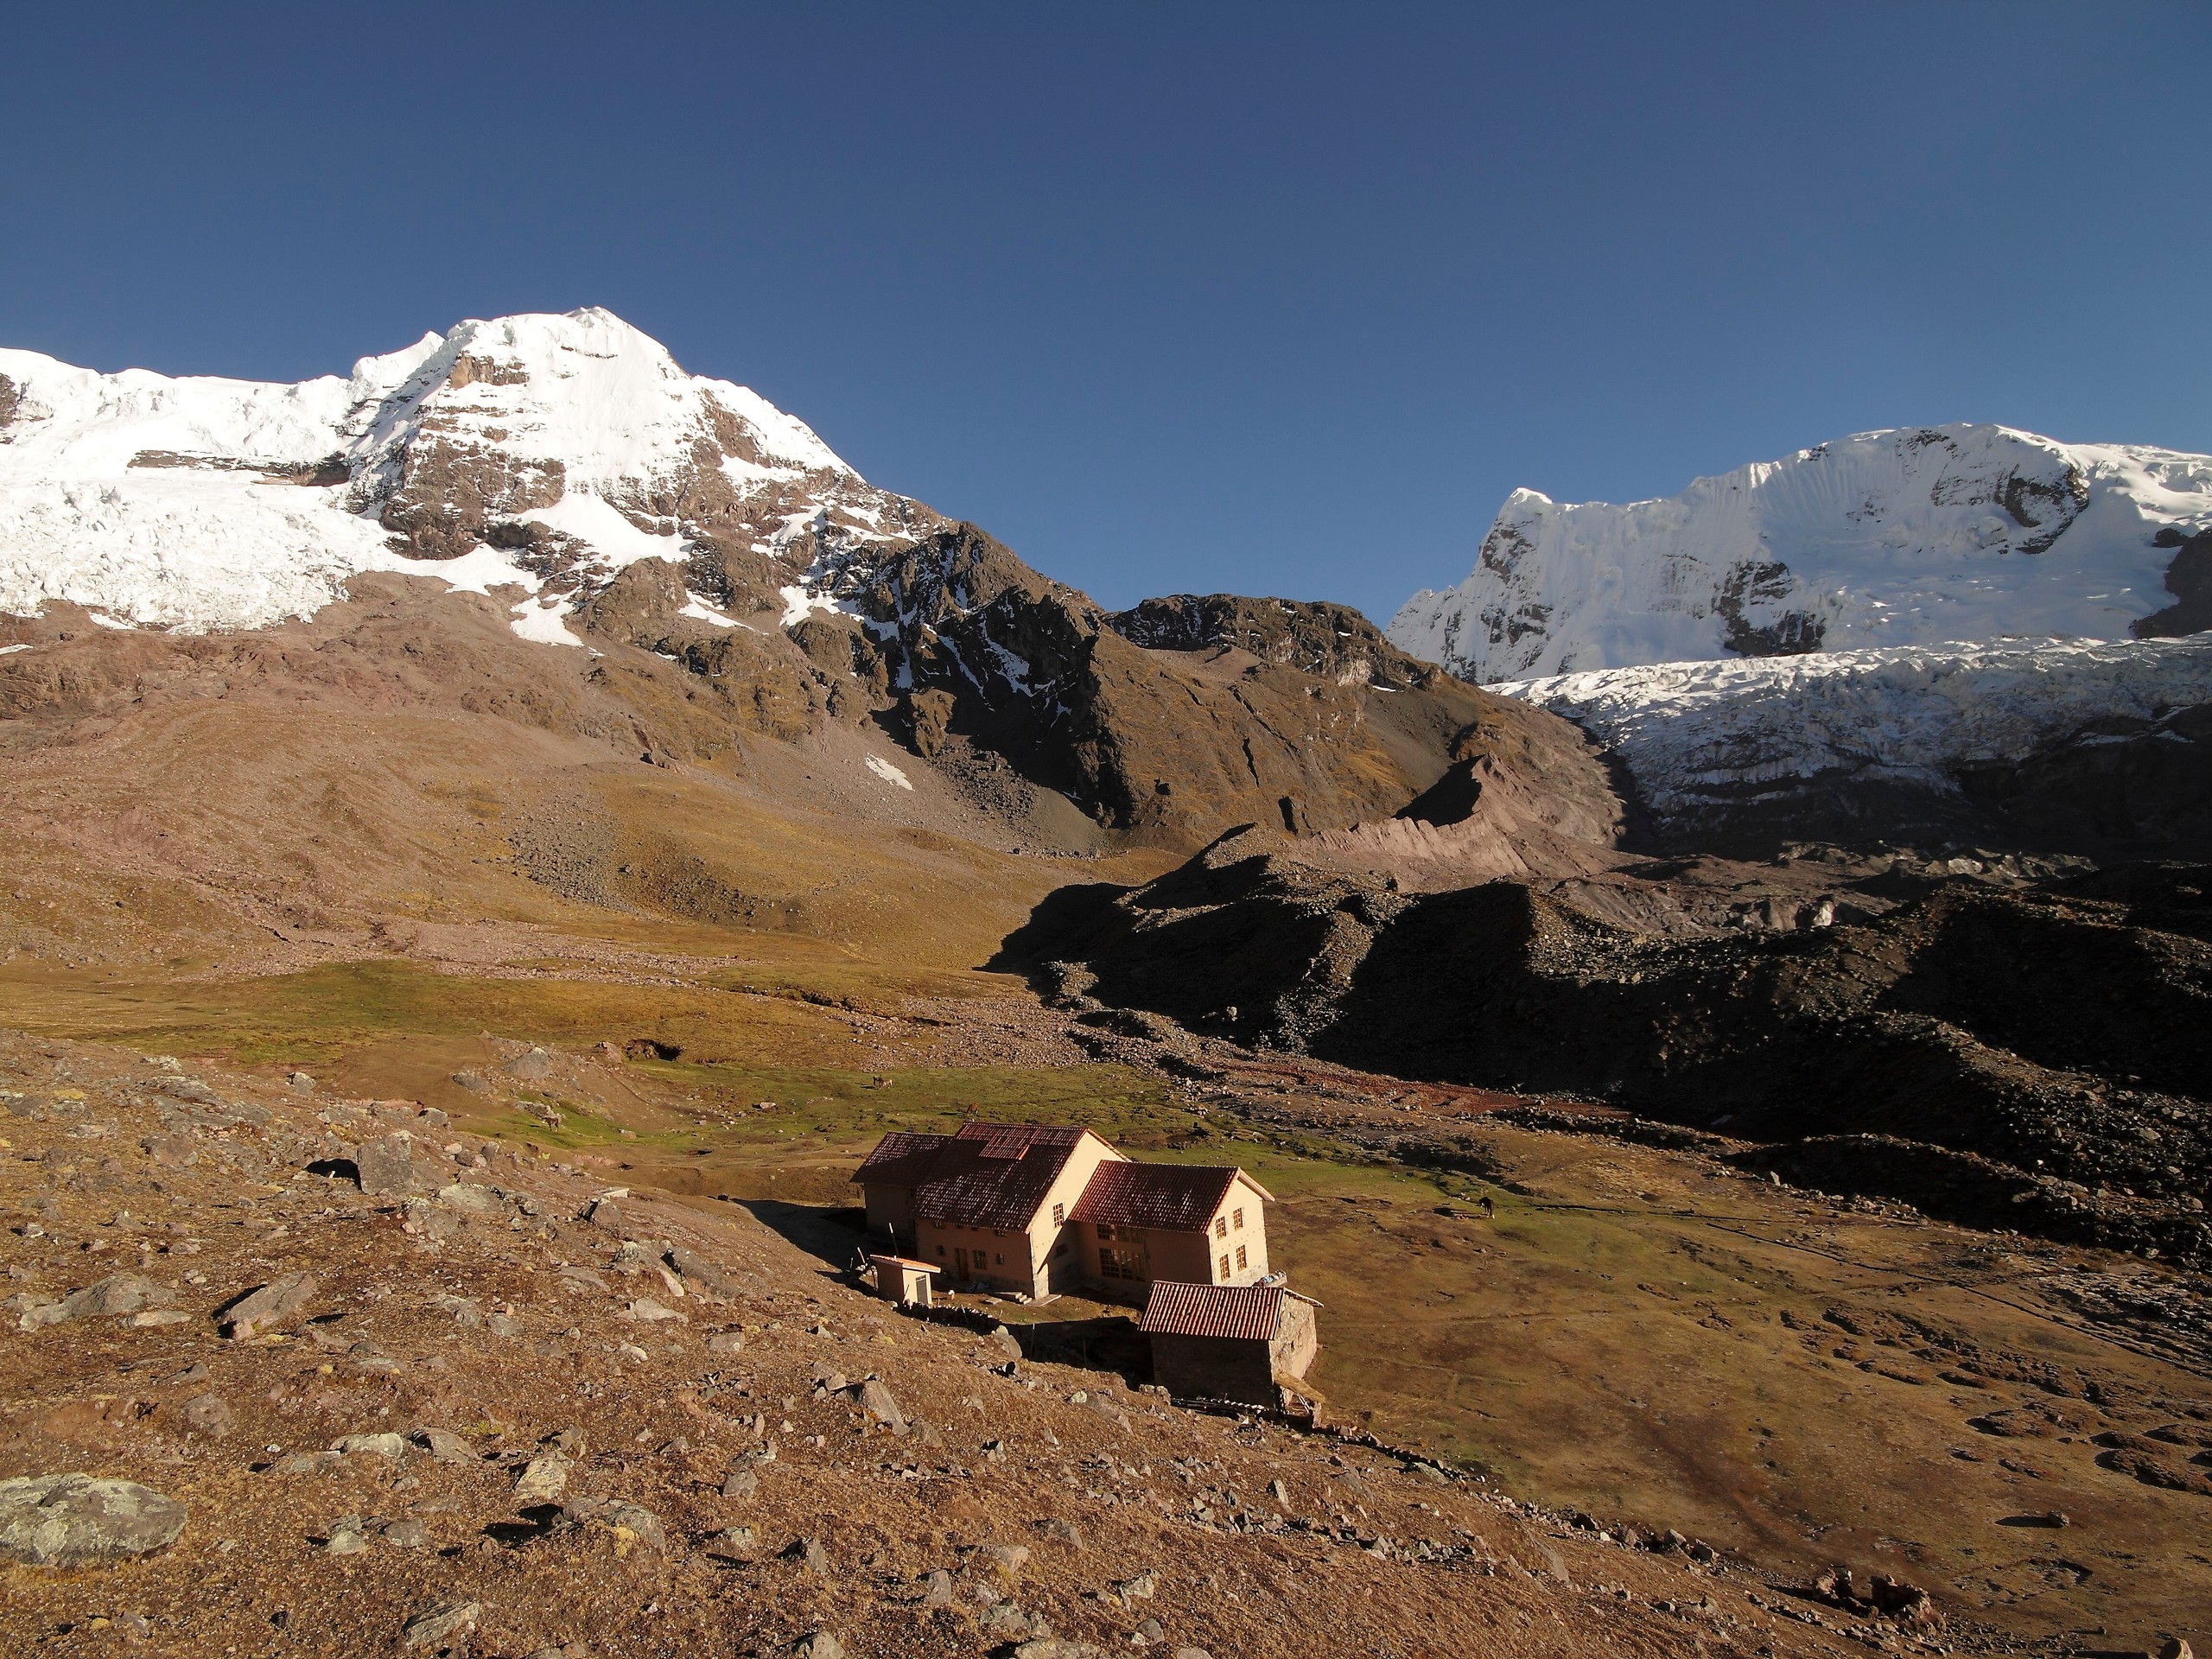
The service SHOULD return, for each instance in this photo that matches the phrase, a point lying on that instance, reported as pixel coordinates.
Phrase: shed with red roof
(1230, 1342)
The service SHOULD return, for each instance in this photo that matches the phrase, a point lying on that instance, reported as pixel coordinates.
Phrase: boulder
(396, 1166)
(631, 1524)
(734, 1543)
(543, 1480)
(875, 1400)
(273, 1303)
(469, 1196)
(69, 1520)
(386, 1445)
(534, 1066)
(207, 1414)
(440, 1623)
(117, 1294)
(445, 1445)
(700, 1276)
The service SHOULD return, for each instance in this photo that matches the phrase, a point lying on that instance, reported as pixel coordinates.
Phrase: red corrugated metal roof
(1243, 1313)
(1182, 1196)
(991, 1175)
(900, 1159)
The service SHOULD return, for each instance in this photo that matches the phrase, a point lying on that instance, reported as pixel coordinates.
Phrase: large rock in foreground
(66, 1520)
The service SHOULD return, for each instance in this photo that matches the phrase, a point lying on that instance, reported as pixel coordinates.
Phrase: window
(1238, 1215)
(1224, 1267)
(1115, 1263)
(1000, 1260)
(1060, 1215)
(940, 1249)
(1240, 1258)
(1220, 1228)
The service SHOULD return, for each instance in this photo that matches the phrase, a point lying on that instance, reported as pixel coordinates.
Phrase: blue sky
(1264, 298)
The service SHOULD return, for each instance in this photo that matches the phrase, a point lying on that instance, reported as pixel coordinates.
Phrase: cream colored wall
(1013, 1275)
(1045, 1275)
(1297, 1340)
(1253, 1236)
(890, 1212)
(1178, 1257)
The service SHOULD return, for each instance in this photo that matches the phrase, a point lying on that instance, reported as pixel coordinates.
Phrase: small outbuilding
(1230, 1342)
(900, 1279)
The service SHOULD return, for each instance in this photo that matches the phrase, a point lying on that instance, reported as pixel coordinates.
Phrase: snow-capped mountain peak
(556, 448)
(1907, 537)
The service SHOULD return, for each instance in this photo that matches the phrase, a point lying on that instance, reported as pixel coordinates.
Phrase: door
(960, 1265)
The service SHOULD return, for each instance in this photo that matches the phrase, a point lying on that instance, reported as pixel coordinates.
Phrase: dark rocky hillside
(2037, 1058)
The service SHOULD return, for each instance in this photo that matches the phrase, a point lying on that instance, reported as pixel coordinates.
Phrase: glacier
(1708, 740)
(1854, 640)
(1916, 536)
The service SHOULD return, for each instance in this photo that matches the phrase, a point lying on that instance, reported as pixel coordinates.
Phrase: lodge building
(1042, 1209)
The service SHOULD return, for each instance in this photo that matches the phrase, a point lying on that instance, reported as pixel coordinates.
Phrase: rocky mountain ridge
(568, 464)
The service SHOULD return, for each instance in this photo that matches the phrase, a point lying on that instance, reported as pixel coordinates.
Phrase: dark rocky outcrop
(1793, 633)
(2189, 579)
(1329, 640)
(2058, 1033)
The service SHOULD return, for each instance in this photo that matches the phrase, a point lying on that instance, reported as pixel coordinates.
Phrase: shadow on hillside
(834, 1236)
(1062, 920)
(1102, 1343)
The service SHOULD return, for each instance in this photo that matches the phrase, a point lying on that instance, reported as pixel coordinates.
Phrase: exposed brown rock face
(450, 491)
(759, 679)
(469, 369)
(2045, 504)
(1176, 719)
(1791, 634)
(11, 400)
(2119, 788)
